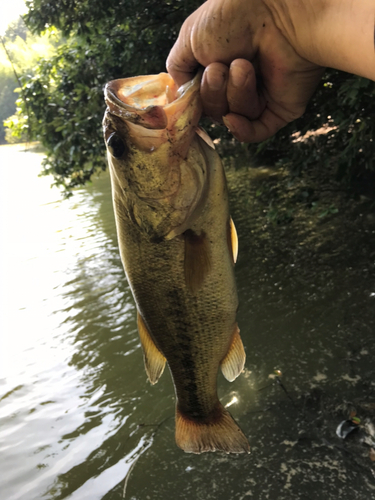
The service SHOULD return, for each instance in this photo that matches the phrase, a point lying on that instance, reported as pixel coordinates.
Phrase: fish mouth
(141, 100)
(156, 103)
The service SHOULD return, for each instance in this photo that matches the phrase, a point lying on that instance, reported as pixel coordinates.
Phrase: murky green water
(76, 410)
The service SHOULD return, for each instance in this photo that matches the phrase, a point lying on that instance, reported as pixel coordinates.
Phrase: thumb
(181, 63)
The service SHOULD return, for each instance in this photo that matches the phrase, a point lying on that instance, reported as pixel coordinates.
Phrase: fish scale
(179, 260)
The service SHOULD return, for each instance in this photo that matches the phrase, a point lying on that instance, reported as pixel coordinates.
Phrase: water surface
(76, 410)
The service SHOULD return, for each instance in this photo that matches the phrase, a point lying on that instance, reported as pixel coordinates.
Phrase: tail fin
(218, 434)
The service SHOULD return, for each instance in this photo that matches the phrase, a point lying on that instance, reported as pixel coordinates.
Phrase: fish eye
(116, 145)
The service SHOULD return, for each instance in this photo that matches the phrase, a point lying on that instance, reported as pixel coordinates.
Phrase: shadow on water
(307, 295)
(306, 291)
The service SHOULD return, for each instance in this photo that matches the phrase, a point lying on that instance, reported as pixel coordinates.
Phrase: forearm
(333, 33)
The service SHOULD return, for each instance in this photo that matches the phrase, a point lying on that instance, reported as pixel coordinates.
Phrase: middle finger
(213, 91)
(243, 97)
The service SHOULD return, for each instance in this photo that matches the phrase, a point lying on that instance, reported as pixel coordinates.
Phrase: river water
(77, 415)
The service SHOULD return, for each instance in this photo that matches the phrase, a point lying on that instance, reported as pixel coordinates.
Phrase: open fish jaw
(155, 102)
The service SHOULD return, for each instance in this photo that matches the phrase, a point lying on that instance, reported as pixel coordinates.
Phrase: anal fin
(153, 358)
(219, 433)
(234, 361)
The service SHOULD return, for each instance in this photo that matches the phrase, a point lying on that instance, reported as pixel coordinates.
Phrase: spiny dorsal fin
(197, 259)
(234, 361)
(153, 358)
(233, 239)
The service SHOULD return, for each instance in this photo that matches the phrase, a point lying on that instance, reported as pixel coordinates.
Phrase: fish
(178, 245)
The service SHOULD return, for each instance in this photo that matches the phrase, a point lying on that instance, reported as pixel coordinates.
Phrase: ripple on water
(63, 275)
(75, 407)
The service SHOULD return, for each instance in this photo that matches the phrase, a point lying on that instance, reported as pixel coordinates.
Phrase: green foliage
(23, 50)
(341, 113)
(116, 39)
(105, 40)
(16, 129)
(7, 97)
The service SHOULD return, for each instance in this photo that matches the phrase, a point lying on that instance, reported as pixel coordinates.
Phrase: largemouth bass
(178, 246)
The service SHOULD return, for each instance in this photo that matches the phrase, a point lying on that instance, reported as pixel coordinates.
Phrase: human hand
(254, 81)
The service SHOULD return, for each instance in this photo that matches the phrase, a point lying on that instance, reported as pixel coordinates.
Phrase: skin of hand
(254, 80)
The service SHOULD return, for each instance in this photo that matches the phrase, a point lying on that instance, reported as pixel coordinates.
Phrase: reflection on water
(76, 410)
(67, 327)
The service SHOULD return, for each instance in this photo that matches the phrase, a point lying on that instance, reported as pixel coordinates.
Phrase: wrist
(332, 33)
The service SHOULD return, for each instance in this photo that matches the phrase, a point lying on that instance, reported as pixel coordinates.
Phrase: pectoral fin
(153, 358)
(234, 361)
(233, 240)
(197, 259)
(203, 135)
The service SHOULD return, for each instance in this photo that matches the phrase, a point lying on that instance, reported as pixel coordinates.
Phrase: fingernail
(215, 80)
(227, 123)
(238, 77)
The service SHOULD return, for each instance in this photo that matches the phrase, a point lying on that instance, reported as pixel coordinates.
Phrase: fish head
(149, 129)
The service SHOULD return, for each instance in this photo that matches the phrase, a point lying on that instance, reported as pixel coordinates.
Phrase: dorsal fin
(197, 259)
(153, 358)
(234, 361)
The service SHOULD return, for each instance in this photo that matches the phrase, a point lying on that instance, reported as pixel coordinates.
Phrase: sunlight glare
(9, 11)
(233, 401)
